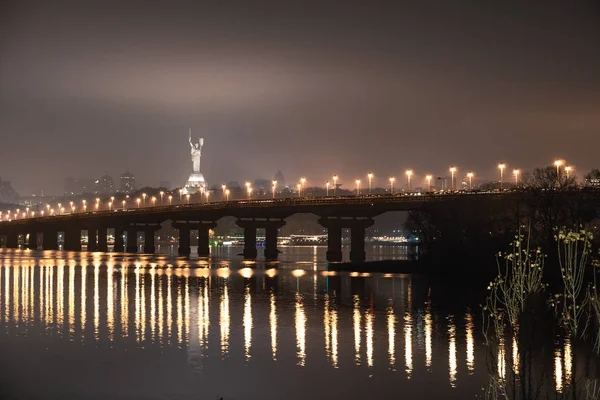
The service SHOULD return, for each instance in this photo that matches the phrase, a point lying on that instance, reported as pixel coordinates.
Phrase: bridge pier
(149, 238)
(184, 238)
(250, 225)
(50, 239)
(204, 238)
(357, 227)
(131, 240)
(102, 239)
(92, 238)
(33, 242)
(119, 242)
(72, 237)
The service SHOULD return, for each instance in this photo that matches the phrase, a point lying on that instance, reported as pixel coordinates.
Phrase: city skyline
(365, 88)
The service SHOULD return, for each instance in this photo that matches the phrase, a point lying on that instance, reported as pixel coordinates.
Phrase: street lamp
(303, 181)
(138, 200)
(224, 187)
(327, 189)
(408, 175)
(144, 197)
(392, 179)
(123, 203)
(428, 177)
(568, 169)
(370, 176)
(154, 201)
(558, 163)
(206, 194)
(227, 194)
(452, 172)
(274, 187)
(516, 173)
(501, 167)
(299, 186)
(187, 198)
(470, 176)
(110, 205)
(170, 199)
(335, 178)
(358, 187)
(248, 189)
(180, 194)
(162, 194)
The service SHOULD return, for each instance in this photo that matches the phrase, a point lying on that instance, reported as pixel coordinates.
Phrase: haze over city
(309, 88)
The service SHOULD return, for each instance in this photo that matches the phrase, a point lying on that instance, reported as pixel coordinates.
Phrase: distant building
(280, 179)
(104, 185)
(593, 182)
(127, 183)
(79, 186)
(7, 193)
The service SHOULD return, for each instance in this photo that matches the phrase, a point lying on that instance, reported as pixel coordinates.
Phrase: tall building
(7, 193)
(127, 183)
(79, 186)
(105, 185)
(280, 179)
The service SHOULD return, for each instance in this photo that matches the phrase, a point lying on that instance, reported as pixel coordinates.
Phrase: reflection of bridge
(336, 213)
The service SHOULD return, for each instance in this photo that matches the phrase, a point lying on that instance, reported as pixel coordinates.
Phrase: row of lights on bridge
(27, 213)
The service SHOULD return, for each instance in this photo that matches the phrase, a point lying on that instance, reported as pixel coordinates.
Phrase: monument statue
(195, 182)
(196, 153)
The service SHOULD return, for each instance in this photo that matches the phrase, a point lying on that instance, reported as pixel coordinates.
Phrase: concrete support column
(119, 242)
(102, 239)
(92, 246)
(271, 251)
(334, 243)
(33, 242)
(184, 241)
(357, 244)
(131, 240)
(250, 242)
(72, 239)
(203, 240)
(149, 242)
(50, 240)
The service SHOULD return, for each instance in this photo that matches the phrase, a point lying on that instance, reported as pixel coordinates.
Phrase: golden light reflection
(16, 291)
(179, 315)
(96, 301)
(470, 344)
(391, 325)
(356, 319)
(110, 301)
(187, 309)
(369, 337)
(271, 272)
(124, 303)
(224, 320)
(247, 323)
(568, 361)
(60, 293)
(7, 294)
(297, 273)
(334, 337)
(452, 367)
(246, 272)
(169, 307)
(152, 304)
(273, 324)
(71, 303)
(558, 372)
(300, 331)
(161, 320)
(428, 333)
(501, 367)
(515, 354)
(327, 327)
(137, 316)
(408, 358)
(83, 299)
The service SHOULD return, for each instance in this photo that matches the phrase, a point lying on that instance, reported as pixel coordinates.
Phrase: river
(106, 325)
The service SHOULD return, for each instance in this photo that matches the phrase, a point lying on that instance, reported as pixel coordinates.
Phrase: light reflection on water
(249, 323)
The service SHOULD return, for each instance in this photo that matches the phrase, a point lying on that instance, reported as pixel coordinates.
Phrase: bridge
(335, 213)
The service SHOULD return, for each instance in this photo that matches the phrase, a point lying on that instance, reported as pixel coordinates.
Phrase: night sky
(305, 87)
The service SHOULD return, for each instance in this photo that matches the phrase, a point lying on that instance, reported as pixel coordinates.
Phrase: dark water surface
(105, 325)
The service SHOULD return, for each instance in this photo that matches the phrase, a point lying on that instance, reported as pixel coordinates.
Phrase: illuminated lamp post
(370, 176)
(392, 179)
(335, 179)
(274, 188)
(357, 187)
(470, 176)
(326, 188)
(501, 167)
(428, 177)
(516, 173)
(452, 172)
(408, 175)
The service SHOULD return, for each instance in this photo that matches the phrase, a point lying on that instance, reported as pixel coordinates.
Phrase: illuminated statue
(196, 153)
(195, 182)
